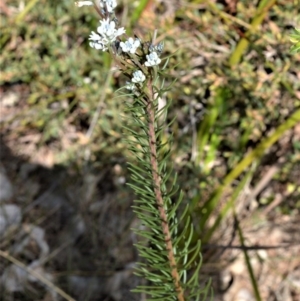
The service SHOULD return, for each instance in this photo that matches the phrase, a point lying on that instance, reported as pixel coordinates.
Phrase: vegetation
(235, 105)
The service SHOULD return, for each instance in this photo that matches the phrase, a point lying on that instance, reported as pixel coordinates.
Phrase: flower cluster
(107, 34)
(138, 77)
(110, 5)
(152, 59)
(130, 45)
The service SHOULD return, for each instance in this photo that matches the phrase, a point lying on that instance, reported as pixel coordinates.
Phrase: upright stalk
(165, 250)
(158, 193)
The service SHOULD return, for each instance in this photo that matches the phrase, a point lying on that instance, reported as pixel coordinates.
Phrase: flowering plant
(169, 265)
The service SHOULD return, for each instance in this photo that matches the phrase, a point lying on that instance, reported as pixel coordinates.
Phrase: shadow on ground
(70, 226)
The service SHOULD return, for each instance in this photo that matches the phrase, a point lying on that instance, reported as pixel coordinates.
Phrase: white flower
(106, 34)
(130, 45)
(138, 77)
(83, 3)
(110, 4)
(130, 86)
(94, 36)
(97, 42)
(107, 30)
(152, 59)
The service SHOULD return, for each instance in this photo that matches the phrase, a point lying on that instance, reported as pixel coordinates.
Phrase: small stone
(9, 215)
(6, 189)
(9, 99)
(244, 295)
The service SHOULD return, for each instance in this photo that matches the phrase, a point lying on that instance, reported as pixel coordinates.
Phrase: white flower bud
(109, 4)
(131, 45)
(152, 59)
(138, 77)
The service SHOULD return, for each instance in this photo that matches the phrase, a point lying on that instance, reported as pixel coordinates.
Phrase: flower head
(109, 4)
(97, 42)
(131, 45)
(130, 86)
(106, 34)
(152, 59)
(138, 77)
(107, 30)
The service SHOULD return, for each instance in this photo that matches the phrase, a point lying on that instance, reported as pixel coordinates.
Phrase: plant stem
(251, 157)
(36, 275)
(247, 259)
(263, 8)
(158, 193)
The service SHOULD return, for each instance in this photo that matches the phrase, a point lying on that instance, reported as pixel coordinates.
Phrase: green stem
(254, 155)
(158, 193)
(247, 259)
(242, 45)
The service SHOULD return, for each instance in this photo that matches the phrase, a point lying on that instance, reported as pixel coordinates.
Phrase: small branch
(158, 193)
(36, 275)
(248, 248)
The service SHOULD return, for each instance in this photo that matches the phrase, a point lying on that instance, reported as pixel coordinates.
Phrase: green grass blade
(137, 13)
(205, 135)
(25, 11)
(254, 155)
(242, 45)
(248, 262)
(229, 205)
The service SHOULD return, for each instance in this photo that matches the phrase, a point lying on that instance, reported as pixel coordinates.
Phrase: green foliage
(207, 134)
(170, 265)
(249, 159)
(44, 48)
(295, 39)
(156, 268)
(135, 16)
(258, 18)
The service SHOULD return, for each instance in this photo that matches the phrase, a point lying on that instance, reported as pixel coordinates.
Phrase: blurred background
(65, 208)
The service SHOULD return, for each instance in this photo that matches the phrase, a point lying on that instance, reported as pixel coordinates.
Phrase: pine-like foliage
(170, 266)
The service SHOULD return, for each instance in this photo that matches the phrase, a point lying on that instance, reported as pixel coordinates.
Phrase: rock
(13, 279)
(9, 215)
(6, 188)
(80, 285)
(34, 233)
(9, 99)
(244, 295)
(16, 279)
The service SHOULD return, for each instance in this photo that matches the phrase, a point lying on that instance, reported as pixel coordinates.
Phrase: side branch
(158, 193)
